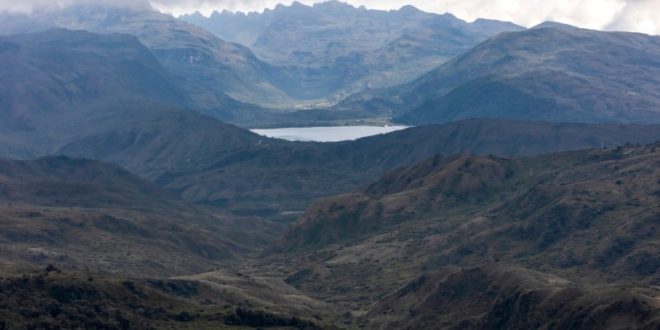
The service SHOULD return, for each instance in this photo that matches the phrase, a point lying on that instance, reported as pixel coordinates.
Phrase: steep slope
(61, 86)
(473, 242)
(547, 73)
(61, 74)
(335, 49)
(273, 177)
(90, 215)
(553, 207)
(511, 298)
(213, 72)
(52, 298)
(131, 122)
(432, 185)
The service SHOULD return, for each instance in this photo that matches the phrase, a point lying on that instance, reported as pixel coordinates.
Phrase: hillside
(130, 121)
(60, 74)
(538, 202)
(334, 49)
(276, 177)
(214, 73)
(524, 237)
(508, 297)
(52, 298)
(527, 196)
(474, 242)
(60, 86)
(86, 214)
(548, 73)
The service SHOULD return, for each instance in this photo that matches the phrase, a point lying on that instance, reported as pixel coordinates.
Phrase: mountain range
(335, 49)
(549, 73)
(552, 72)
(138, 121)
(214, 73)
(58, 210)
(499, 242)
(450, 242)
(526, 195)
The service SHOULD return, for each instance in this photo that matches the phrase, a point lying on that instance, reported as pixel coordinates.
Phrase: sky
(625, 15)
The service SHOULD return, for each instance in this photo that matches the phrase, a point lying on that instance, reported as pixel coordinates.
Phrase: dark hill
(55, 76)
(129, 121)
(275, 176)
(496, 296)
(90, 215)
(549, 74)
(568, 240)
(52, 298)
(214, 73)
(62, 181)
(540, 202)
(60, 86)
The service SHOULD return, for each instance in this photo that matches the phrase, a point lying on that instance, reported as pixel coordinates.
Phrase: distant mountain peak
(410, 9)
(553, 25)
(333, 3)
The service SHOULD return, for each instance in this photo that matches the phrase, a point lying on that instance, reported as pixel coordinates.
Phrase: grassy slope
(90, 215)
(52, 298)
(585, 218)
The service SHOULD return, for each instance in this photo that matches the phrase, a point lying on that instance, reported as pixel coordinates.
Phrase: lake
(326, 134)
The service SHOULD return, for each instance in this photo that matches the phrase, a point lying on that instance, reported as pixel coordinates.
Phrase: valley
(325, 166)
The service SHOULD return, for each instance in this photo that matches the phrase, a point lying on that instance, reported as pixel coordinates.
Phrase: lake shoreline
(326, 133)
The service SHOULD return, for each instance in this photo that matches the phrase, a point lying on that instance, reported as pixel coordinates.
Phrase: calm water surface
(326, 134)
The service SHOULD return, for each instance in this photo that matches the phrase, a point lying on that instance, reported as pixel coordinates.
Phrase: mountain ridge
(551, 74)
(336, 49)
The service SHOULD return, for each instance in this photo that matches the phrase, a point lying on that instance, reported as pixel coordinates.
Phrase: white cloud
(178, 7)
(585, 13)
(628, 15)
(641, 16)
(27, 6)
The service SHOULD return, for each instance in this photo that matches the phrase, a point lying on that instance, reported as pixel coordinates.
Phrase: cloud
(28, 6)
(641, 16)
(584, 13)
(628, 15)
(208, 6)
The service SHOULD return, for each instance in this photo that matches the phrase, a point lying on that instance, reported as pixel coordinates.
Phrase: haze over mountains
(525, 197)
(99, 108)
(335, 49)
(551, 72)
(345, 63)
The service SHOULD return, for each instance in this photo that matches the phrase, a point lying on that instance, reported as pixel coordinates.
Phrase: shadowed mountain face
(335, 49)
(560, 74)
(207, 68)
(499, 242)
(491, 240)
(215, 74)
(130, 120)
(543, 201)
(59, 75)
(60, 86)
(265, 176)
(89, 215)
(500, 297)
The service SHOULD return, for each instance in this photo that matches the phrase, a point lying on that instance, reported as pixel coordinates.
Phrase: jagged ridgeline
(526, 196)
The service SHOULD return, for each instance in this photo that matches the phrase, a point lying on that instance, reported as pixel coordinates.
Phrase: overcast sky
(628, 15)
